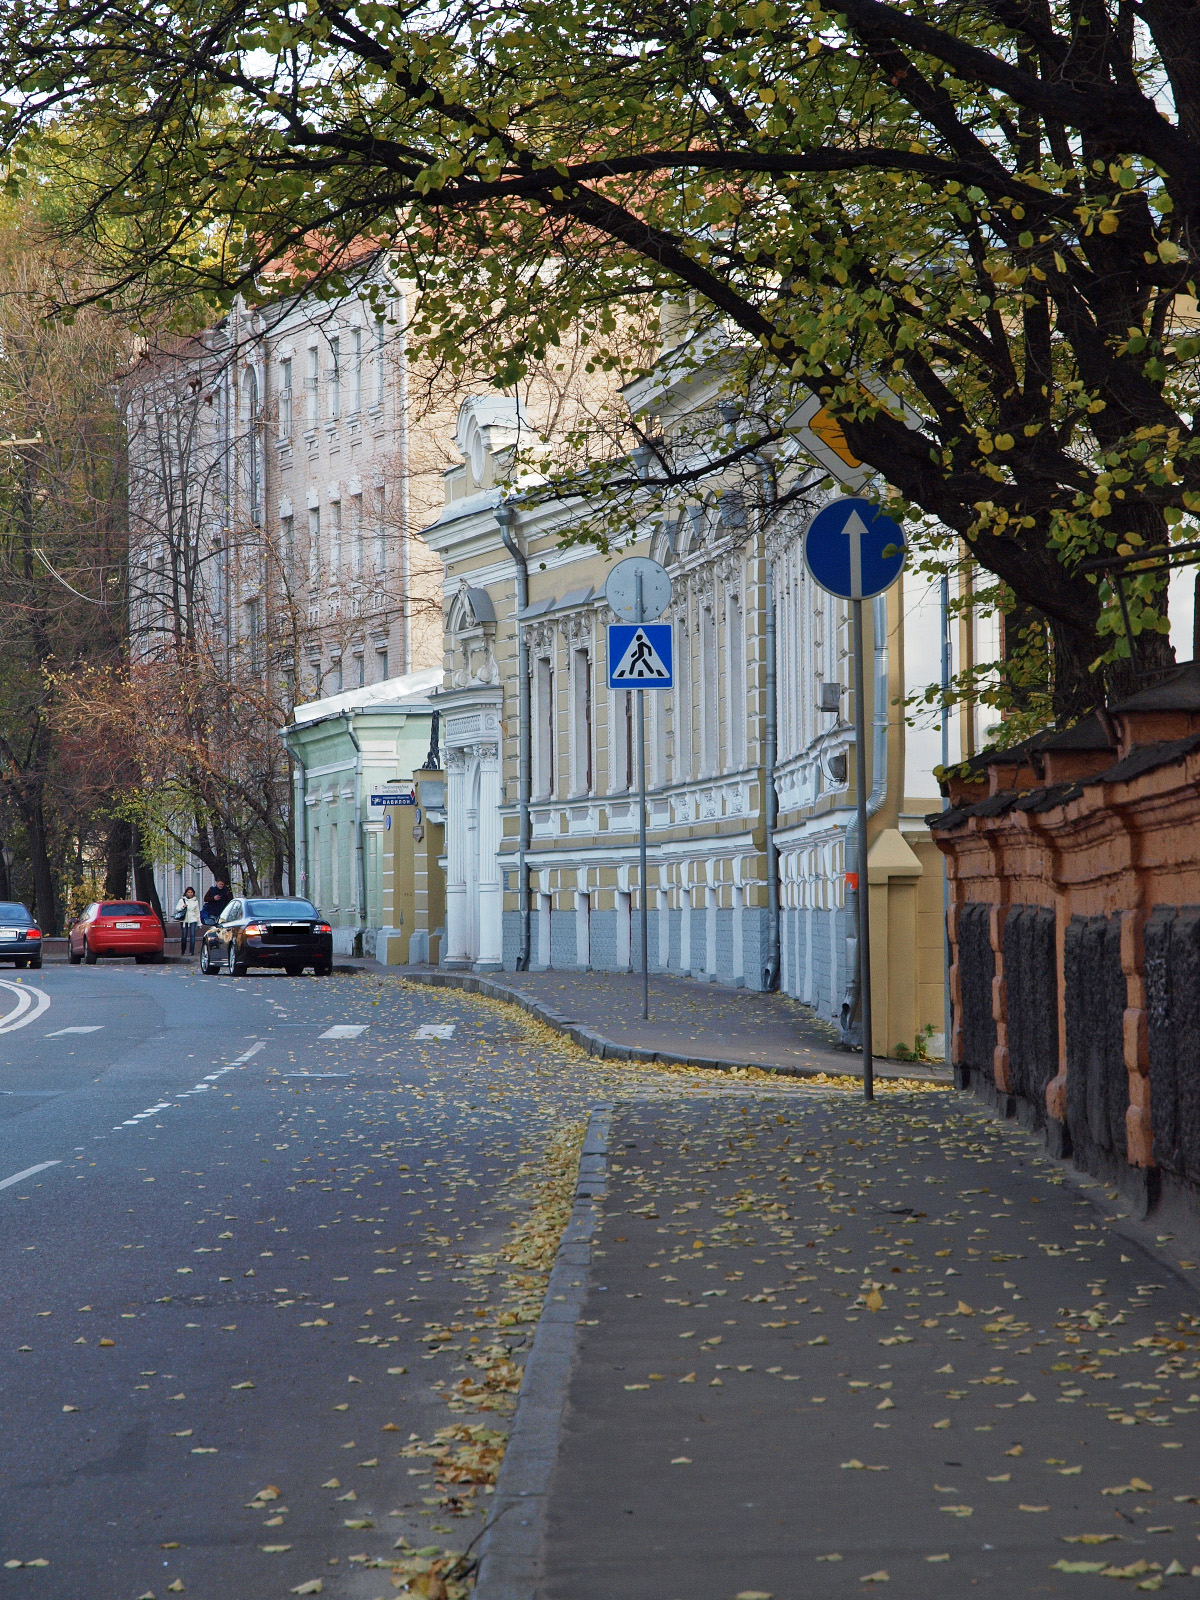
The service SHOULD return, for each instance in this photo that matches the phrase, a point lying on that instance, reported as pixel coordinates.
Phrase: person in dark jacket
(215, 900)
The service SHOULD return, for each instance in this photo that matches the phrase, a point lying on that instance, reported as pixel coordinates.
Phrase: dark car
(282, 932)
(20, 936)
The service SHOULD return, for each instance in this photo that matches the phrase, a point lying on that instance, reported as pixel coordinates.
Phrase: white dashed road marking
(58, 1032)
(7, 1183)
(344, 1030)
(435, 1030)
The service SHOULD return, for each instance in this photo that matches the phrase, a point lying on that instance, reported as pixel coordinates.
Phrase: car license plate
(129, 925)
(11, 933)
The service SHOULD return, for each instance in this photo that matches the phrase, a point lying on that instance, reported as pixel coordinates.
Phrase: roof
(1176, 691)
(1143, 758)
(409, 692)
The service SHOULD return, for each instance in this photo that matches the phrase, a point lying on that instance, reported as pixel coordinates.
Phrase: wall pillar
(491, 895)
(457, 952)
(1139, 1132)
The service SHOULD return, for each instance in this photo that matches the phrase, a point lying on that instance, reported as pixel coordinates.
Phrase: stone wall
(1074, 865)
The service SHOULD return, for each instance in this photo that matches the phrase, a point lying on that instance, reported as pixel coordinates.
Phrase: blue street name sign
(853, 549)
(640, 656)
(393, 800)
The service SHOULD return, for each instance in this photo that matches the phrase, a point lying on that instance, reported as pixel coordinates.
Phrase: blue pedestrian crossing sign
(640, 656)
(853, 549)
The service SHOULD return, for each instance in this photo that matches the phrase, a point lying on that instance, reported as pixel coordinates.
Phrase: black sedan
(281, 932)
(20, 936)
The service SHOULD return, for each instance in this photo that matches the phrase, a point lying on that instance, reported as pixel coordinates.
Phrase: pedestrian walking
(215, 901)
(188, 914)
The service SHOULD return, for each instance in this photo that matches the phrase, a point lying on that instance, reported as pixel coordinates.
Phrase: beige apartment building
(278, 475)
(733, 895)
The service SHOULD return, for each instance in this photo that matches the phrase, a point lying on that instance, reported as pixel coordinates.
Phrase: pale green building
(354, 752)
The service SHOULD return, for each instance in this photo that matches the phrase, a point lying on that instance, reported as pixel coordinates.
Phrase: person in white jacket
(188, 913)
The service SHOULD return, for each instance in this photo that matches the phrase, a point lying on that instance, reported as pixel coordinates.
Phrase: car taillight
(33, 933)
(256, 927)
(322, 927)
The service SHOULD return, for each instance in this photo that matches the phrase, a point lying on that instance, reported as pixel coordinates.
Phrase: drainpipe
(299, 820)
(771, 968)
(731, 412)
(405, 545)
(506, 516)
(770, 978)
(854, 854)
(359, 857)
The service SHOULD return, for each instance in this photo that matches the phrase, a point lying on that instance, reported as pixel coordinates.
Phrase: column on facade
(491, 897)
(457, 925)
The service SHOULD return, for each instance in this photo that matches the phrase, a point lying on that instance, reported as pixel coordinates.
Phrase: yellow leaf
(874, 1301)
(875, 1577)
(962, 1309)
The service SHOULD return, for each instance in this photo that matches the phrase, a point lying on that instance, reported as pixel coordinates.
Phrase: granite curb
(597, 1044)
(511, 1544)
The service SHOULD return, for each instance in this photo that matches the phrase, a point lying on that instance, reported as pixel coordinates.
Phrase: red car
(116, 928)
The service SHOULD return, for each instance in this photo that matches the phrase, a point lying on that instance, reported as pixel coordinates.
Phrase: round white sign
(638, 589)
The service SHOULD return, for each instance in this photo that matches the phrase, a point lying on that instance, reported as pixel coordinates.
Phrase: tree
(993, 205)
(62, 596)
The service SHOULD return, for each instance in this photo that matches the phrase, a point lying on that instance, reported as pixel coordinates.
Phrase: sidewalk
(702, 1024)
(822, 1347)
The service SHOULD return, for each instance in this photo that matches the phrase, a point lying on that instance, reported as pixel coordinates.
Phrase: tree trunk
(44, 898)
(143, 875)
(118, 854)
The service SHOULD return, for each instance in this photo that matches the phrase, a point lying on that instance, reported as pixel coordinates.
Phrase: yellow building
(733, 553)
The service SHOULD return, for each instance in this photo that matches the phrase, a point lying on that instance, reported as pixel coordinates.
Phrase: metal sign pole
(864, 894)
(642, 894)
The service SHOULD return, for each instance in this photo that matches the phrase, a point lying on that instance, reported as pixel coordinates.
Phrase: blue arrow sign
(640, 656)
(853, 549)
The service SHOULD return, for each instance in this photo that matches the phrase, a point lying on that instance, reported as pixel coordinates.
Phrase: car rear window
(124, 908)
(280, 908)
(14, 915)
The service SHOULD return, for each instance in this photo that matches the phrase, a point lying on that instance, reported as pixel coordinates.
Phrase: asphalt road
(225, 1236)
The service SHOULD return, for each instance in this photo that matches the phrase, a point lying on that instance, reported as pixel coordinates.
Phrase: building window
(338, 684)
(360, 669)
(335, 379)
(356, 336)
(287, 547)
(381, 663)
(335, 540)
(285, 398)
(356, 532)
(627, 768)
(314, 378)
(379, 360)
(380, 530)
(736, 688)
(683, 702)
(710, 754)
(314, 543)
(544, 753)
(335, 873)
(581, 720)
(254, 632)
